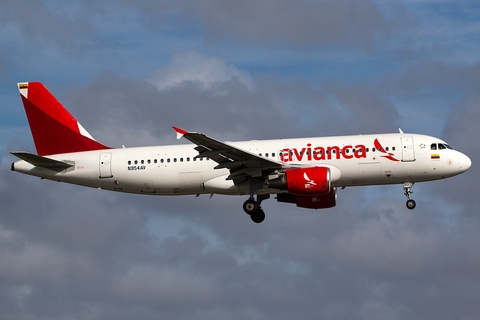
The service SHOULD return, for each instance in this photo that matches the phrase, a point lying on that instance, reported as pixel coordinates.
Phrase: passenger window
(188, 159)
(148, 161)
(181, 159)
(266, 155)
(154, 160)
(136, 162)
(393, 148)
(129, 162)
(168, 160)
(161, 160)
(273, 154)
(174, 159)
(142, 162)
(373, 149)
(433, 146)
(386, 149)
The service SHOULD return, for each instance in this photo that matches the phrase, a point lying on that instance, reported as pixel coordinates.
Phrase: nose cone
(465, 163)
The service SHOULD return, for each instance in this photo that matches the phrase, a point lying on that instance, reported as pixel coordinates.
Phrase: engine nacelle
(304, 181)
(322, 201)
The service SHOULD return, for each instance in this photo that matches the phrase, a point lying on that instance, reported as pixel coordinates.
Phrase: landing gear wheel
(250, 206)
(407, 187)
(411, 204)
(258, 216)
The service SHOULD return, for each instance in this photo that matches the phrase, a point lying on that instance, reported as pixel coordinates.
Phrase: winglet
(399, 129)
(180, 132)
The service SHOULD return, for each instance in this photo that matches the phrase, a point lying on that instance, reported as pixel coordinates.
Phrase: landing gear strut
(407, 187)
(253, 209)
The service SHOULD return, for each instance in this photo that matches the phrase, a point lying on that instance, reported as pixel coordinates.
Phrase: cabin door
(408, 151)
(106, 165)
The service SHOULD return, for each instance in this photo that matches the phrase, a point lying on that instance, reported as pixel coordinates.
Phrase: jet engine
(307, 187)
(303, 181)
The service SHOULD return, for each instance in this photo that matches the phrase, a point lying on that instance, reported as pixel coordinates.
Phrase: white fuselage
(174, 170)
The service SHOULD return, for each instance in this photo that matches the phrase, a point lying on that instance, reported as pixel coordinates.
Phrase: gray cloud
(43, 25)
(118, 110)
(76, 253)
(303, 23)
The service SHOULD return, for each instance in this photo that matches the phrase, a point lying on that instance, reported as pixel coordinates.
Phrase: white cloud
(197, 67)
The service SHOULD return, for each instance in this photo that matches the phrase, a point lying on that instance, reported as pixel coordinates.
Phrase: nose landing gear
(253, 209)
(407, 187)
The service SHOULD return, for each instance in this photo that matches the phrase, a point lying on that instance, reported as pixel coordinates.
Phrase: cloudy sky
(252, 69)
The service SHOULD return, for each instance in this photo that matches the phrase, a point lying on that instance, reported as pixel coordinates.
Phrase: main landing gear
(407, 187)
(253, 208)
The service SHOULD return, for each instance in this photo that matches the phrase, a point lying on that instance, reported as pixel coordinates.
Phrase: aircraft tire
(258, 216)
(250, 206)
(411, 204)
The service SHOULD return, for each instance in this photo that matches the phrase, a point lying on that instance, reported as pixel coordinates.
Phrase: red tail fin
(53, 128)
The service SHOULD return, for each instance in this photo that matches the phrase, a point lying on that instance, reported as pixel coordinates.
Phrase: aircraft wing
(241, 163)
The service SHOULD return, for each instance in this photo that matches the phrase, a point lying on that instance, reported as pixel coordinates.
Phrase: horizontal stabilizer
(39, 161)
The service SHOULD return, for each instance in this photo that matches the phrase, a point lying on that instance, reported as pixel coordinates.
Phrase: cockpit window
(440, 146)
(444, 146)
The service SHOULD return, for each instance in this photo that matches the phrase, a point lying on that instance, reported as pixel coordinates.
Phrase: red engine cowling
(323, 201)
(304, 181)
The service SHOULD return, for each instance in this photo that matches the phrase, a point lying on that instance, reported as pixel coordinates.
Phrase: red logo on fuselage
(388, 155)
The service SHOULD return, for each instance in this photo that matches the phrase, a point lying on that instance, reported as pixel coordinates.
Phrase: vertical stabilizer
(54, 129)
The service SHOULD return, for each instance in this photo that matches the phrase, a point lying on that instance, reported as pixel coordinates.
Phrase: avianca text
(320, 153)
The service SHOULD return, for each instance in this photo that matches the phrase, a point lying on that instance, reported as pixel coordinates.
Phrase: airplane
(305, 171)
